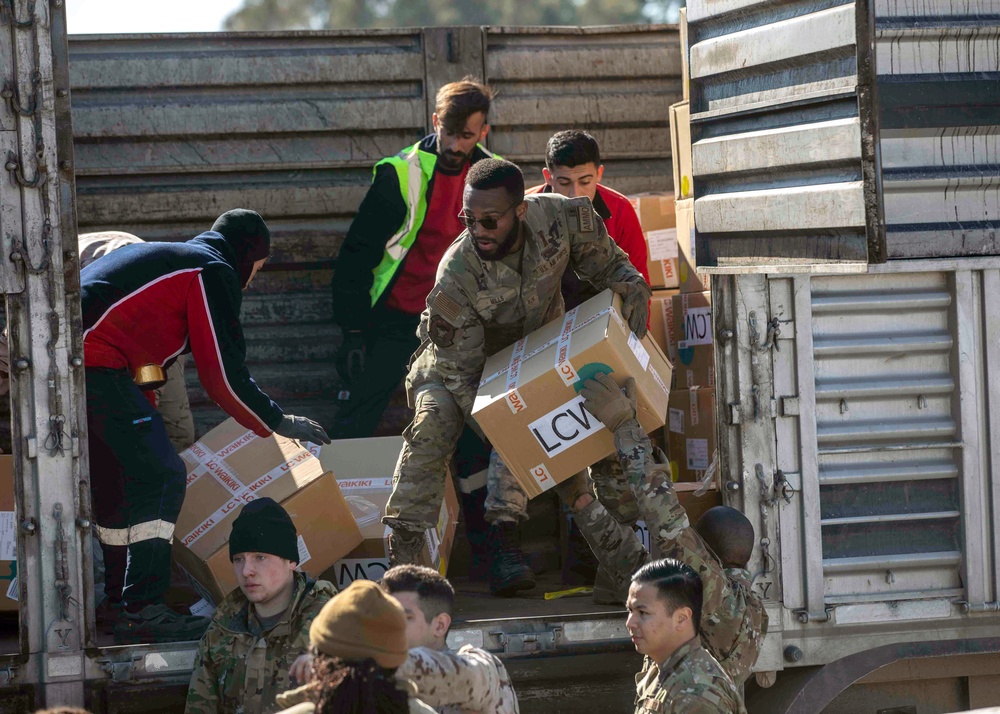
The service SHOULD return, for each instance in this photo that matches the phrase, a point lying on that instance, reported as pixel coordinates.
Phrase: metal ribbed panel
(172, 130)
(890, 503)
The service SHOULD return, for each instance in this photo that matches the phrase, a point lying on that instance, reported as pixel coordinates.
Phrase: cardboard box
(687, 275)
(690, 433)
(363, 469)
(661, 320)
(8, 537)
(528, 403)
(693, 341)
(228, 468)
(656, 216)
(685, 68)
(680, 149)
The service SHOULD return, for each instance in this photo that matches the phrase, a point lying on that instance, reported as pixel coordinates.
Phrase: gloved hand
(635, 304)
(351, 356)
(302, 429)
(605, 400)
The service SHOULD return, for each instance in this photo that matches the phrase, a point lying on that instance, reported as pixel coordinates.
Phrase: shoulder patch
(441, 332)
(585, 218)
(449, 308)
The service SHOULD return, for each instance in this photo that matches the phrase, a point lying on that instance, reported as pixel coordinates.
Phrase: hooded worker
(143, 305)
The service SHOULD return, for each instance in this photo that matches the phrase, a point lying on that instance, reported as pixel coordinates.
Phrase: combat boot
(158, 623)
(508, 571)
(405, 547)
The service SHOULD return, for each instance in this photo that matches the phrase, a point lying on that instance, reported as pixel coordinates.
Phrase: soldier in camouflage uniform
(258, 641)
(679, 676)
(733, 621)
(499, 281)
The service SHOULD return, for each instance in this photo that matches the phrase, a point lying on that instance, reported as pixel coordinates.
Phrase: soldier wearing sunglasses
(499, 281)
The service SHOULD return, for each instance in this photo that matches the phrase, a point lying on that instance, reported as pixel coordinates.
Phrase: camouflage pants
(613, 490)
(418, 483)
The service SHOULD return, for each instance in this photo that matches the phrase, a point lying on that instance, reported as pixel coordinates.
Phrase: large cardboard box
(364, 469)
(693, 341)
(690, 433)
(528, 403)
(228, 468)
(661, 320)
(680, 149)
(688, 277)
(656, 216)
(8, 536)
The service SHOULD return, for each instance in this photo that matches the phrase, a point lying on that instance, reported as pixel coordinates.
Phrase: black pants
(389, 344)
(137, 484)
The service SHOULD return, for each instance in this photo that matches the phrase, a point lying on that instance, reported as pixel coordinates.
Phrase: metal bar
(871, 430)
(891, 518)
(875, 448)
(887, 473)
(879, 387)
(851, 345)
(868, 112)
(895, 561)
(812, 535)
(991, 450)
(863, 302)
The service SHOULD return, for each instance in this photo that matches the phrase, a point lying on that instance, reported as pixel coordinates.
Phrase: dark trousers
(137, 484)
(389, 344)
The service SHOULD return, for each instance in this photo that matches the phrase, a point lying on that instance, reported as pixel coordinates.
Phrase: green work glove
(607, 402)
(635, 304)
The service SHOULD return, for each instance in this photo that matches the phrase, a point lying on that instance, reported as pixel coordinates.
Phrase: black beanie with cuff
(263, 526)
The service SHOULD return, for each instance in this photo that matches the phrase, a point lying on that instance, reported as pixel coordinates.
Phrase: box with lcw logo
(529, 405)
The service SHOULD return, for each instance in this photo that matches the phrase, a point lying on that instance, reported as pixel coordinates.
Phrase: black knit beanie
(263, 526)
(249, 237)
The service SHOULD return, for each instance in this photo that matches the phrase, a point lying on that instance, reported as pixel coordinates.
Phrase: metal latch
(525, 642)
(7, 675)
(120, 670)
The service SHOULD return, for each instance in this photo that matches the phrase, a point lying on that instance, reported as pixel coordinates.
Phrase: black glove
(635, 304)
(351, 356)
(607, 402)
(302, 429)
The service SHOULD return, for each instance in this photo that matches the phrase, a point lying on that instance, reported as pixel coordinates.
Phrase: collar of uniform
(599, 203)
(678, 656)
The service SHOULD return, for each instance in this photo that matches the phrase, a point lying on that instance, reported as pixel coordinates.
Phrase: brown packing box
(690, 433)
(528, 403)
(230, 467)
(693, 341)
(661, 320)
(8, 537)
(364, 468)
(680, 149)
(656, 216)
(690, 281)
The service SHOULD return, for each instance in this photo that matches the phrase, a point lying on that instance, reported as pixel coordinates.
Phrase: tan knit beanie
(360, 622)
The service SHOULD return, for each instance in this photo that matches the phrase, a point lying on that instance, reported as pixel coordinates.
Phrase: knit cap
(362, 621)
(263, 526)
(249, 237)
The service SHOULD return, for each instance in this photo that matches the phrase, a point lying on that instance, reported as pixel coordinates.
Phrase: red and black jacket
(147, 303)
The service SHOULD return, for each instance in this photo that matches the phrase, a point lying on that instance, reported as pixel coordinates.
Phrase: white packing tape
(564, 367)
(513, 398)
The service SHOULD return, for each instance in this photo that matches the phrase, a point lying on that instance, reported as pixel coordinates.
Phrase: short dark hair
(496, 173)
(457, 101)
(573, 147)
(435, 592)
(728, 533)
(677, 583)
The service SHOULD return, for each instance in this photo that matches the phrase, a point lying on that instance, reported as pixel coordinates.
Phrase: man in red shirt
(388, 262)
(573, 168)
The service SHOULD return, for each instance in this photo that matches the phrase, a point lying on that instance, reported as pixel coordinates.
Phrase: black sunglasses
(489, 224)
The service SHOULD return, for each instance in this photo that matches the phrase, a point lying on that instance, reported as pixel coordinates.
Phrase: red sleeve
(628, 234)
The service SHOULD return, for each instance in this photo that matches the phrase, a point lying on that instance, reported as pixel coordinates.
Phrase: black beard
(454, 160)
(505, 245)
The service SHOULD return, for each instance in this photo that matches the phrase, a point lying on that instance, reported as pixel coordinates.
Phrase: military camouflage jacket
(478, 307)
(236, 672)
(690, 682)
(470, 680)
(733, 620)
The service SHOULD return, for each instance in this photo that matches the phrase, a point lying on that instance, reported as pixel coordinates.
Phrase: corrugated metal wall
(788, 103)
(172, 130)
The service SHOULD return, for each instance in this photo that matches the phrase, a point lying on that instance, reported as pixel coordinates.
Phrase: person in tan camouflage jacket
(718, 547)
(257, 645)
(467, 681)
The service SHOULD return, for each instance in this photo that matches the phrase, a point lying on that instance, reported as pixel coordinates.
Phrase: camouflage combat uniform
(469, 681)
(690, 682)
(476, 309)
(733, 620)
(240, 670)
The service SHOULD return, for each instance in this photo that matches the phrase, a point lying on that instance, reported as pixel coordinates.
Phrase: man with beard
(387, 263)
(497, 283)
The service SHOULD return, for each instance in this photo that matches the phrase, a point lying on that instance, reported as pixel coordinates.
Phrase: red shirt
(440, 229)
(621, 222)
